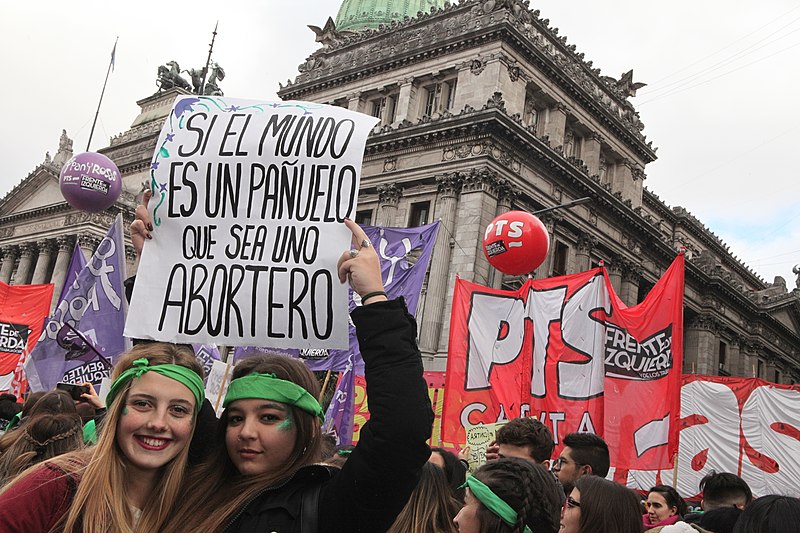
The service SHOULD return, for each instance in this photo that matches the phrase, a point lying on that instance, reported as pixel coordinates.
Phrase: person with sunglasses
(510, 496)
(597, 505)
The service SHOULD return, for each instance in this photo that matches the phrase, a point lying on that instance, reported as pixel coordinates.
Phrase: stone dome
(357, 15)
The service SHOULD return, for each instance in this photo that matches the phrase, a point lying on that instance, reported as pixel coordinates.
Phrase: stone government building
(484, 108)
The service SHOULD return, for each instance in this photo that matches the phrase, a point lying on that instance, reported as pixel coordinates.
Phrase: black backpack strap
(309, 509)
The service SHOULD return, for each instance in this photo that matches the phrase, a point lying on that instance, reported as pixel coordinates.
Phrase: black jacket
(383, 469)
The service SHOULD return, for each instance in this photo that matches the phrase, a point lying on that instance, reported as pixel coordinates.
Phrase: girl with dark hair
(664, 507)
(264, 477)
(50, 403)
(770, 514)
(431, 507)
(597, 505)
(510, 496)
(42, 438)
(131, 480)
(455, 470)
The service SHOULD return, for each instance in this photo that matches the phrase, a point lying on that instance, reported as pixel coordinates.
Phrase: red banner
(746, 426)
(23, 309)
(568, 351)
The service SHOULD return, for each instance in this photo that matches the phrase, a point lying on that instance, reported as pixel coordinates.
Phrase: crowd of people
(155, 457)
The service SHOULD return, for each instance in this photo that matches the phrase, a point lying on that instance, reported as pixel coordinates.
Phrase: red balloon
(516, 243)
(90, 182)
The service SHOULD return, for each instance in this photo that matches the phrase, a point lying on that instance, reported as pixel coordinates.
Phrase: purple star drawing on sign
(232, 108)
(162, 187)
(170, 137)
(154, 166)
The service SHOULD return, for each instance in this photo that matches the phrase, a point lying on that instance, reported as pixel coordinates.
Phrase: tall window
(723, 359)
(439, 97)
(420, 214)
(560, 256)
(760, 369)
(384, 108)
(364, 217)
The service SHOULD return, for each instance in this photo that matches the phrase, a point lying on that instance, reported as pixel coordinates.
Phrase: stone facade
(484, 108)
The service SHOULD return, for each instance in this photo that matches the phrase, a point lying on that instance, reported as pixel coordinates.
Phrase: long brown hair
(100, 504)
(43, 437)
(216, 489)
(50, 403)
(607, 506)
(431, 507)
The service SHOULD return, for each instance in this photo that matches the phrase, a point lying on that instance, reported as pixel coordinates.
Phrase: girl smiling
(131, 479)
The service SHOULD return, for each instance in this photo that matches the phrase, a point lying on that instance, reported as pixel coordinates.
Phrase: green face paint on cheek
(287, 424)
(125, 410)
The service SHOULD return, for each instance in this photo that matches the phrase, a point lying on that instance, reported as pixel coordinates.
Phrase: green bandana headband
(492, 502)
(269, 387)
(181, 374)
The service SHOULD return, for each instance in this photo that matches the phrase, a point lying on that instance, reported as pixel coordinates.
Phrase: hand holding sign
(248, 198)
(361, 267)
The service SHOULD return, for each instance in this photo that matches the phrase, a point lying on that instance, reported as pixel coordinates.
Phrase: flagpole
(324, 385)
(97, 113)
(208, 59)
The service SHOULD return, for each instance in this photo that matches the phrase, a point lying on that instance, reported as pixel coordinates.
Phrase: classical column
(583, 253)
(447, 201)
(354, 102)
(550, 221)
(629, 290)
(42, 262)
(65, 247)
(556, 124)
(699, 345)
(615, 275)
(25, 263)
(736, 365)
(388, 199)
(591, 153)
(476, 207)
(404, 100)
(88, 244)
(505, 197)
(9, 258)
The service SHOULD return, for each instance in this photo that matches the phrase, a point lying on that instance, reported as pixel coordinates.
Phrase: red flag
(644, 362)
(545, 350)
(23, 309)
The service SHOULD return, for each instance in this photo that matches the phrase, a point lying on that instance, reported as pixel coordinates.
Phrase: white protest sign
(248, 203)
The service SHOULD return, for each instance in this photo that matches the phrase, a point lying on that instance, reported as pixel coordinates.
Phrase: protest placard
(478, 439)
(248, 203)
(217, 383)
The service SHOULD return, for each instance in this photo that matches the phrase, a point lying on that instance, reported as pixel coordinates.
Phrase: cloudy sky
(721, 101)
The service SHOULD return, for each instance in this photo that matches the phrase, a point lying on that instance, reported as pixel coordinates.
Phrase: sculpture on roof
(626, 85)
(169, 76)
(328, 34)
(217, 74)
(796, 270)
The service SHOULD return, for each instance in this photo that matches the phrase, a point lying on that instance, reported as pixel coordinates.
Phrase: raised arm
(382, 471)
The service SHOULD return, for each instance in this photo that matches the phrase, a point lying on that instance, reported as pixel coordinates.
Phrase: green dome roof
(361, 14)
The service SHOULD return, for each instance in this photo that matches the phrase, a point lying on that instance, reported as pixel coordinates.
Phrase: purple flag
(341, 410)
(76, 264)
(404, 255)
(206, 354)
(84, 335)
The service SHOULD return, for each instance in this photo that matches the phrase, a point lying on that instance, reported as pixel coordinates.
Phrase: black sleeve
(383, 469)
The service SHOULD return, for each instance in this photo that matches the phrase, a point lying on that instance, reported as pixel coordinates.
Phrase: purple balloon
(90, 182)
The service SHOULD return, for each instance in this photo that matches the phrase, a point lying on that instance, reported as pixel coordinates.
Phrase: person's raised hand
(92, 397)
(492, 451)
(361, 266)
(142, 225)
